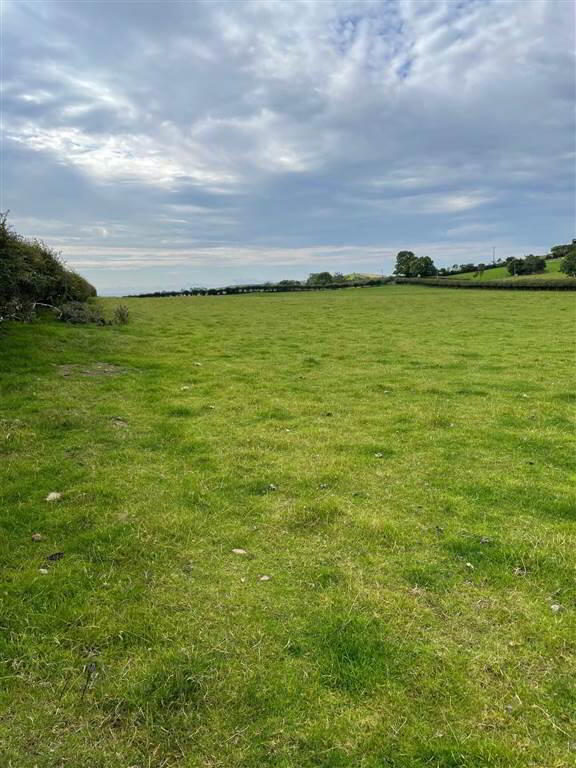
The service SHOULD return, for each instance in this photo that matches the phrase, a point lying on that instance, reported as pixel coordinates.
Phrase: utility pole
(493, 254)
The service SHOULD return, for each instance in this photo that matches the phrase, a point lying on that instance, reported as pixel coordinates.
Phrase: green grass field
(501, 273)
(396, 460)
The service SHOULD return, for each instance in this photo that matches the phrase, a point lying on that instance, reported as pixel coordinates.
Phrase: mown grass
(501, 273)
(397, 460)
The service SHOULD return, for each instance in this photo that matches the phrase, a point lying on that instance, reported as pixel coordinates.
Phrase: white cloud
(121, 157)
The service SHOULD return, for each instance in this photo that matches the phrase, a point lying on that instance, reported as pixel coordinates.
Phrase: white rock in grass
(556, 607)
(43, 571)
(469, 565)
(238, 551)
(54, 496)
(37, 537)
(265, 578)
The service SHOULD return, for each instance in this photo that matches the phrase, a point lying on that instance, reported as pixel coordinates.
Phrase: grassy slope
(358, 276)
(501, 273)
(407, 622)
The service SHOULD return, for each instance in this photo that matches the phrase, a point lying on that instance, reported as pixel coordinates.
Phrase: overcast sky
(160, 145)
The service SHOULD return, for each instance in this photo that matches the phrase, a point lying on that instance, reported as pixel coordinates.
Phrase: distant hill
(501, 273)
(356, 277)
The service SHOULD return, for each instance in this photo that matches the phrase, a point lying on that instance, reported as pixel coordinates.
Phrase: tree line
(409, 265)
(283, 286)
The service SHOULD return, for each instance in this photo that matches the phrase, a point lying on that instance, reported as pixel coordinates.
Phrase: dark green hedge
(568, 284)
(233, 290)
(31, 273)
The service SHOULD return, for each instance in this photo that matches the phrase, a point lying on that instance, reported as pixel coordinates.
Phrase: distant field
(501, 273)
(394, 466)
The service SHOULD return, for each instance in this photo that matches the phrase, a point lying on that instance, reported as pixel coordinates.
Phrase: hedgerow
(32, 275)
(491, 285)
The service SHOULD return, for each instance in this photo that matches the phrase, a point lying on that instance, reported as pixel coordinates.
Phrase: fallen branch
(50, 306)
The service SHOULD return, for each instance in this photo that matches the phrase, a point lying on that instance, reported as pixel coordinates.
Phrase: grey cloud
(289, 125)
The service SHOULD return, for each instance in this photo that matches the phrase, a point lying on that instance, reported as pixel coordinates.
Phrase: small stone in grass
(265, 578)
(211, 407)
(556, 607)
(238, 551)
(54, 496)
(485, 540)
(379, 455)
(43, 571)
(37, 537)
(271, 487)
(469, 565)
(184, 388)
(323, 485)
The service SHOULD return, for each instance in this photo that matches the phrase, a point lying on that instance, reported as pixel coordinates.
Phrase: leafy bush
(79, 313)
(529, 266)
(568, 265)
(560, 251)
(320, 278)
(31, 273)
(410, 265)
(121, 315)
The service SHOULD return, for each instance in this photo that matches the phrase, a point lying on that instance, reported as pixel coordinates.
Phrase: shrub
(78, 313)
(410, 265)
(320, 278)
(568, 265)
(121, 315)
(528, 266)
(560, 251)
(76, 288)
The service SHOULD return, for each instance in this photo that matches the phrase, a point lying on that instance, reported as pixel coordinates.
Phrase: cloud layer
(160, 144)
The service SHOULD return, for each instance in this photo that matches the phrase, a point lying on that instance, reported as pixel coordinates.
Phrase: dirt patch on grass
(96, 369)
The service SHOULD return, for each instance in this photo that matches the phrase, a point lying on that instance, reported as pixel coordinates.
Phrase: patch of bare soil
(97, 369)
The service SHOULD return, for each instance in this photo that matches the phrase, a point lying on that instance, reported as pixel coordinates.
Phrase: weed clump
(121, 315)
(78, 313)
